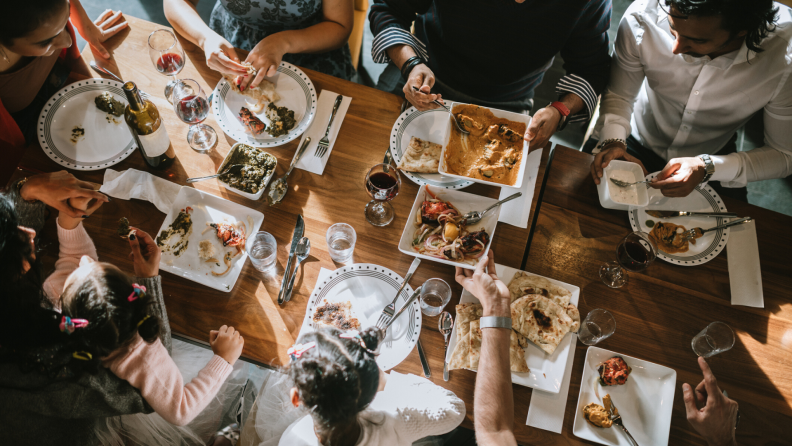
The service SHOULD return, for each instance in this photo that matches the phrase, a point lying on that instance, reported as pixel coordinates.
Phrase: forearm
(322, 37)
(494, 403)
(184, 17)
(400, 53)
(573, 102)
(741, 168)
(78, 16)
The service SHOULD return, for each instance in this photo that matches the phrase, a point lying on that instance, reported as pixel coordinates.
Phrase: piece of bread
(256, 98)
(541, 320)
(421, 156)
(523, 284)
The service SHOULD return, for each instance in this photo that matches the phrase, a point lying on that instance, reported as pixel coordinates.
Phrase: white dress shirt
(683, 106)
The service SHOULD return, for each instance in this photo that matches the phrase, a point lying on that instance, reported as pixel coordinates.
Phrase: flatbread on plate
(523, 284)
(421, 156)
(475, 344)
(466, 313)
(256, 98)
(542, 321)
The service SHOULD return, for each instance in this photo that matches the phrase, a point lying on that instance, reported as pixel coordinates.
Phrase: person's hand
(612, 151)
(717, 419)
(55, 189)
(104, 27)
(543, 125)
(145, 253)
(265, 57)
(422, 78)
(491, 291)
(680, 176)
(226, 343)
(221, 56)
(85, 205)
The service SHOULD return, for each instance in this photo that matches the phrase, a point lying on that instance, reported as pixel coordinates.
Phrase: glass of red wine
(192, 107)
(635, 253)
(167, 55)
(383, 184)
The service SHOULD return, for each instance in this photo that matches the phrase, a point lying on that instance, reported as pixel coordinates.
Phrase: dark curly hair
(21, 18)
(756, 17)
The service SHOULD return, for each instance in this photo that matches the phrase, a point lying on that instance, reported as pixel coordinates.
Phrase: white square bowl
(464, 202)
(264, 182)
(518, 117)
(605, 186)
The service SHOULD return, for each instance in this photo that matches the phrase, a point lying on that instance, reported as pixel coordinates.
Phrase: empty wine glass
(192, 107)
(383, 184)
(635, 253)
(167, 55)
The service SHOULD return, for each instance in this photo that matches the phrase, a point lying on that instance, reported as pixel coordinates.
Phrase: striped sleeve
(396, 36)
(390, 22)
(572, 83)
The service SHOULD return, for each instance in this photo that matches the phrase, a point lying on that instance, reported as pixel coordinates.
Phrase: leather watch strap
(495, 322)
(564, 114)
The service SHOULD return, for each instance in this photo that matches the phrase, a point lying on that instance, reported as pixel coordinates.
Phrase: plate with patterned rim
(702, 199)
(297, 93)
(106, 140)
(431, 126)
(369, 288)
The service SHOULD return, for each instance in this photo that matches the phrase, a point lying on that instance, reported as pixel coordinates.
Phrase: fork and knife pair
(698, 232)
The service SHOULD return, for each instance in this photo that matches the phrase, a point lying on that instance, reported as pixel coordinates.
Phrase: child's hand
(226, 343)
(145, 253)
(86, 205)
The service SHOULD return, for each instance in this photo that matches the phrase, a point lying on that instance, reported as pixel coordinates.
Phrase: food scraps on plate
(174, 238)
(670, 238)
(599, 416)
(336, 314)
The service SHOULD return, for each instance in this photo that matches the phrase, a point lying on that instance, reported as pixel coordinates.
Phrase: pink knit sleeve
(74, 243)
(149, 368)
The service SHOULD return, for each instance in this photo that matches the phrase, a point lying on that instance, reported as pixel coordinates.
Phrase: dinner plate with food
(277, 111)
(545, 319)
(667, 232)
(352, 298)
(436, 229)
(82, 126)
(203, 238)
(640, 392)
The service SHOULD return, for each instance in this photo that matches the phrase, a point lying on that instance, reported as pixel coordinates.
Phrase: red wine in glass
(382, 186)
(635, 252)
(192, 109)
(170, 64)
(633, 255)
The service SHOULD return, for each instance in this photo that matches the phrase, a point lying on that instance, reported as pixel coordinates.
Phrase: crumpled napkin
(133, 183)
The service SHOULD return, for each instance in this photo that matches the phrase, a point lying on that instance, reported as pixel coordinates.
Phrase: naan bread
(573, 313)
(466, 313)
(256, 98)
(541, 320)
(460, 358)
(523, 284)
(516, 352)
(475, 344)
(421, 156)
(517, 355)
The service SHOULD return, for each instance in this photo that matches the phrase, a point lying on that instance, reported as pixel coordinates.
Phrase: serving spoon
(234, 168)
(458, 126)
(621, 183)
(445, 325)
(474, 217)
(280, 186)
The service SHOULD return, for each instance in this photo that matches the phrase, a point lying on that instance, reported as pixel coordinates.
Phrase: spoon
(458, 126)
(279, 187)
(474, 217)
(621, 183)
(235, 168)
(302, 251)
(445, 324)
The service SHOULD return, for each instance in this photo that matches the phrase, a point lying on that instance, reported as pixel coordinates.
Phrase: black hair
(756, 17)
(20, 18)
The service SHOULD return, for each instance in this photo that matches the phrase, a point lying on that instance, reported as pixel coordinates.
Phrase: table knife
(669, 214)
(424, 362)
(299, 229)
(404, 307)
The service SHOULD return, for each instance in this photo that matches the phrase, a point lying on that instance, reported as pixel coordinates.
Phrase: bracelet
(602, 144)
(409, 65)
(495, 322)
(19, 185)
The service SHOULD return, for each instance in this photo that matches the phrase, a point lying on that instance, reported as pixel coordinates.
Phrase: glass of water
(435, 294)
(341, 239)
(716, 338)
(263, 250)
(598, 325)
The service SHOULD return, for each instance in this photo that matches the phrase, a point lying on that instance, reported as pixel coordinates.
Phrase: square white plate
(645, 402)
(547, 371)
(465, 203)
(207, 208)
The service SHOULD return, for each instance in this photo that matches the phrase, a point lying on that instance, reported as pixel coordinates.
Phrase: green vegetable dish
(281, 118)
(258, 165)
(108, 104)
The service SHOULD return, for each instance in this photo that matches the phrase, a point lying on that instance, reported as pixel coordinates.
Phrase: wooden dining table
(568, 235)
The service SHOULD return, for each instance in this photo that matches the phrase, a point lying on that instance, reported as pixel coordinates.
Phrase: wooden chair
(356, 38)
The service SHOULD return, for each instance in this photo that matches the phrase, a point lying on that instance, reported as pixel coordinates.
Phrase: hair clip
(297, 350)
(137, 291)
(82, 356)
(67, 324)
(143, 320)
(355, 336)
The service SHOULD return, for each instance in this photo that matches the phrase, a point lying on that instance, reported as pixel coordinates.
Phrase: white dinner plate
(296, 93)
(547, 371)
(430, 126)
(107, 140)
(702, 199)
(207, 208)
(370, 288)
(645, 401)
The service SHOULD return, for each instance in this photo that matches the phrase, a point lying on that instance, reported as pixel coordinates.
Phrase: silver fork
(690, 234)
(387, 312)
(99, 69)
(324, 143)
(617, 420)
(456, 121)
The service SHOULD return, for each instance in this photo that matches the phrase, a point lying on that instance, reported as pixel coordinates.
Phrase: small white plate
(547, 371)
(207, 208)
(465, 203)
(104, 144)
(296, 93)
(645, 402)
(702, 199)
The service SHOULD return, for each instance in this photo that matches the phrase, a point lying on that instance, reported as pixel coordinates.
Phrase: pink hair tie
(297, 350)
(68, 325)
(137, 291)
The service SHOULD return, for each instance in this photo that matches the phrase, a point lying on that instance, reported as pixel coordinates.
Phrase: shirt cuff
(572, 83)
(726, 167)
(395, 36)
(73, 236)
(613, 132)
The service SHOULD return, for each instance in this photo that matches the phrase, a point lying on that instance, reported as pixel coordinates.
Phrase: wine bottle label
(155, 144)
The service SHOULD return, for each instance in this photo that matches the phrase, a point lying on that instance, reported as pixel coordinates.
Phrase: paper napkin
(745, 275)
(517, 211)
(324, 108)
(133, 183)
(546, 410)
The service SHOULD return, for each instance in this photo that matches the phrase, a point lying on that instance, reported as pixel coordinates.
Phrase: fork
(99, 69)
(458, 125)
(690, 234)
(387, 312)
(324, 143)
(617, 420)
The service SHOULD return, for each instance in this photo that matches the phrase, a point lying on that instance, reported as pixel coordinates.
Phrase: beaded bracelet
(409, 65)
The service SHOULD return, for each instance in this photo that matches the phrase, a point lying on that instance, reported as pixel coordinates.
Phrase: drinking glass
(634, 253)
(262, 250)
(192, 107)
(598, 325)
(716, 338)
(341, 242)
(167, 55)
(382, 183)
(435, 294)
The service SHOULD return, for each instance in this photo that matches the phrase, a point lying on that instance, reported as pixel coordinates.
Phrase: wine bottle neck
(133, 96)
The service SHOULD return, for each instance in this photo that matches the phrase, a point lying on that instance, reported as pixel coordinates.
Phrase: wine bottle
(147, 128)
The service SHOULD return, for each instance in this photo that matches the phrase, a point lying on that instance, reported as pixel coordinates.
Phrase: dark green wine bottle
(147, 128)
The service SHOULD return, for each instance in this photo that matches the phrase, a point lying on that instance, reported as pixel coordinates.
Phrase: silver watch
(709, 166)
(495, 322)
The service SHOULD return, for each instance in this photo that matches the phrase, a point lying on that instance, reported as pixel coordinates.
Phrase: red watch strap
(561, 108)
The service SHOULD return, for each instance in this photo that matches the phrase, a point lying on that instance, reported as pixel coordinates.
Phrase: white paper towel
(324, 107)
(546, 410)
(745, 274)
(517, 211)
(133, 183)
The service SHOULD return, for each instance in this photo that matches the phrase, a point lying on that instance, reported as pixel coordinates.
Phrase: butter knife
(299, 229)
(424, 362)
(670, 214)
(404, 307)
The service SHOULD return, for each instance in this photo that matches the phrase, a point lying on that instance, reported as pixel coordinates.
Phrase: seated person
(685, 76)
(495, 55)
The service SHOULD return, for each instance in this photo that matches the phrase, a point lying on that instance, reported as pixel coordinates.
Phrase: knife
(299, 228)
(404, 307)
(669, 214)
(424, 362)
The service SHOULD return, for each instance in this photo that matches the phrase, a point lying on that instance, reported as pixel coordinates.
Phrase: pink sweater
(147, 367)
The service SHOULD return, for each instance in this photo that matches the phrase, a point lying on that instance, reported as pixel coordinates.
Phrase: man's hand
(680, 176)
(55, 189)
(543, 126)
(422, 78)
(221, 56)
(265, 57)
(145, 253)
(717, 419)
(612, 151)
(491, 291)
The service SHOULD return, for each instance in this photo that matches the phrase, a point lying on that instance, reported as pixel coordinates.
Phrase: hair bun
(372, 336)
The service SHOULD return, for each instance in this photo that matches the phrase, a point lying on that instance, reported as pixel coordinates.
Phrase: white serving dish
(264, 182)
(518, 117)
(605, 186)
(464, 202)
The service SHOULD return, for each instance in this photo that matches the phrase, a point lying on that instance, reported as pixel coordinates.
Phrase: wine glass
(167, 55)
(635, 253)
(383, 184)
(192, 107)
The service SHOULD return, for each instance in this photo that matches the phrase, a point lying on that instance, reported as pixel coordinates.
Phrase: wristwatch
(709, 166)
(495, 322)
(564, 113)
(604, 143)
